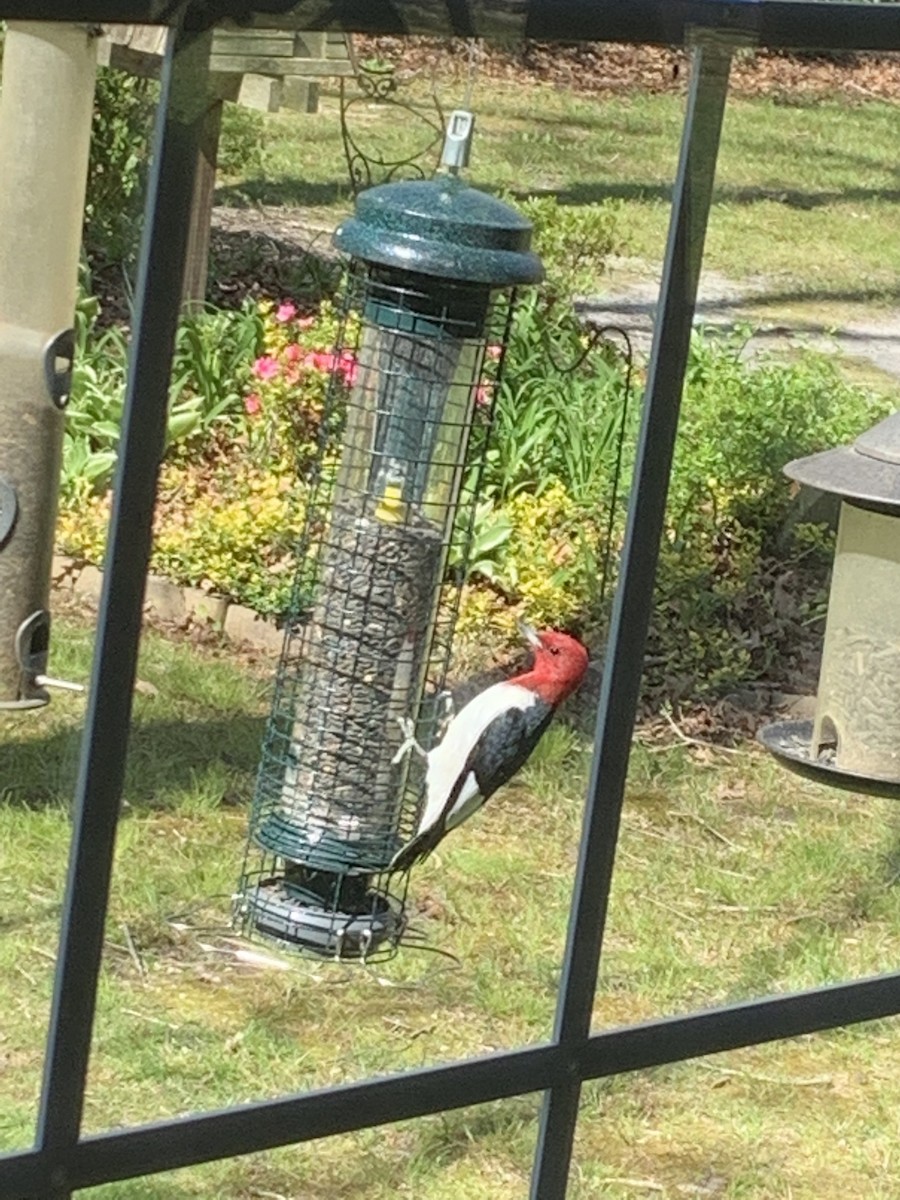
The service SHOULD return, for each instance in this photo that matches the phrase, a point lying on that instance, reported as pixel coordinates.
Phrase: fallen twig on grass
(682, 814)
(755, 1077)
(687, 740)
(133, 952)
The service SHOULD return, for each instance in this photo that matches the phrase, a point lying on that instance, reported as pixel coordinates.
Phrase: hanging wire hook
(596, 335)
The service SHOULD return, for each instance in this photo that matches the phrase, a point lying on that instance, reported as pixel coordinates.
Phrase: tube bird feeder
(434, 267)
(854, 740)
(45, 122)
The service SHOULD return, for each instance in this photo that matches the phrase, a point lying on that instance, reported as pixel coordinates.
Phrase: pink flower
(349, 367)
(345, 363)
(266, 367)
(306, 322)
(252, 404)
(318, 360)
(285, 312)
(494, 352)
(292, 352)
(483, 395)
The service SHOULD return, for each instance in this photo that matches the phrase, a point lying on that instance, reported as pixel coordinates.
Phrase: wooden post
(196, 267)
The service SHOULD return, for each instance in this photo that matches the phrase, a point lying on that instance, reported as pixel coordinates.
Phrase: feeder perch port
(432, 272)
(854, 740)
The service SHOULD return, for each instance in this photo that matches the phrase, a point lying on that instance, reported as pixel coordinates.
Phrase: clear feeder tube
(365, 648)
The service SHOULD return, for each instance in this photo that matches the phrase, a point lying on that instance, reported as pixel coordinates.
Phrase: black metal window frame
(61, 1160)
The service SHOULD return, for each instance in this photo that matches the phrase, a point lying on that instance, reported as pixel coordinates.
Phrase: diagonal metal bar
(189, 1141)
(105, 741)
(634, 597)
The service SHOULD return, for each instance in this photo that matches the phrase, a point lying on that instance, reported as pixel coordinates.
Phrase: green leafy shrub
(247, 399)
(720, 619)
(213, 359)
(552, 443)
(574, 241)
(540, 573)
(558, 412)
(120, 148)
(241, 141)
(231, 531)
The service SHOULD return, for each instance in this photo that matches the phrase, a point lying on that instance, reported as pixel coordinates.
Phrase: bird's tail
(416, 849)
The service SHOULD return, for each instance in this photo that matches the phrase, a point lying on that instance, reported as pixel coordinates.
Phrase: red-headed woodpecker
(491, 738)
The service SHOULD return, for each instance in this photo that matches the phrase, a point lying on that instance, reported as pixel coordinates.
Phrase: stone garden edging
(172, 604)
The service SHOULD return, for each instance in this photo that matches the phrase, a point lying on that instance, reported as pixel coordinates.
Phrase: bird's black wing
(506, 745)
(502, 749)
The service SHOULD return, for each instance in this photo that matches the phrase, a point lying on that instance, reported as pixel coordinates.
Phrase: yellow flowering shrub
(546, 570)
(233, 535)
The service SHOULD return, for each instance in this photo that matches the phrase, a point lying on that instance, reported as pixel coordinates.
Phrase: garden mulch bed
(606, 68)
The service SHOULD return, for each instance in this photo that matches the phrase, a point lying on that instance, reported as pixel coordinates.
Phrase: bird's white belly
(450, 756)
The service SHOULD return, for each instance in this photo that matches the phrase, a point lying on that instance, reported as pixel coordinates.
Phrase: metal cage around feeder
(429, 299)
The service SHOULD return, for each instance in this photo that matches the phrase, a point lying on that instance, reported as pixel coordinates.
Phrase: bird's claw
(408, 730)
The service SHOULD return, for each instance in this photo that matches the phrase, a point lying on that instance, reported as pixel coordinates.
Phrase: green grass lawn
(807, 195)
(732, 880)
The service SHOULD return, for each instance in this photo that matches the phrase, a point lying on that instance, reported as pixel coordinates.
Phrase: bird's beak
(529, 633)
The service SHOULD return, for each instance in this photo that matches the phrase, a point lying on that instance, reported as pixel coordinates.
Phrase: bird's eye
(554, 649)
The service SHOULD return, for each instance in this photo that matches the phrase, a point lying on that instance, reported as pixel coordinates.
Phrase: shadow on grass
(285, 191)
(597, 192)
(168, 761)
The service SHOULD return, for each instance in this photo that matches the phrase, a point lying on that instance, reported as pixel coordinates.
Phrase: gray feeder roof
(868, 471)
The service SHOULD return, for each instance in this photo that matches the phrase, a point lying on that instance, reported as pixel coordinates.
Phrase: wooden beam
(253, 64)
(196, 267)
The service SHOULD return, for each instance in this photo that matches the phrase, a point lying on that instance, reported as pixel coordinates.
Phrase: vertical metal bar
(633, 600)
(104, 746)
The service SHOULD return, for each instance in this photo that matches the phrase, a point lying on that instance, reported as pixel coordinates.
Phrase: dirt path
(871, 336)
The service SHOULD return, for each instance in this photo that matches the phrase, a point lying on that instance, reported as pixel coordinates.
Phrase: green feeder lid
(443, 228)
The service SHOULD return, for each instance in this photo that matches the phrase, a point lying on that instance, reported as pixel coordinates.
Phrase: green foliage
(213, 357)
(552, 443)
(573, 241)
(558, 411)
(234, 531)
(214, 350)
(248, 401)
(247, 398)
(726, 540)
(120, 142)
(736, 585)
(241, 142)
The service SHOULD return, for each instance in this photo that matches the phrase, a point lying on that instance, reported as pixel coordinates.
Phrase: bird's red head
(560, 664)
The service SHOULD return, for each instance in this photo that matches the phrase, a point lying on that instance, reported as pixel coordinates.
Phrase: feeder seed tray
(790, 742)
(290, 914)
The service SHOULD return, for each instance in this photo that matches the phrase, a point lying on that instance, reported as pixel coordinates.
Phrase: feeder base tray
(790, 742)
(290, 915)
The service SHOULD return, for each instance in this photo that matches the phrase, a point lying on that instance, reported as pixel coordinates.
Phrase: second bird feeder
(433, 273)
(854, 740)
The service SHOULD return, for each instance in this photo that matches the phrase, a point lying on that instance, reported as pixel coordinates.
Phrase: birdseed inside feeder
(434, 265)
(854, 740)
